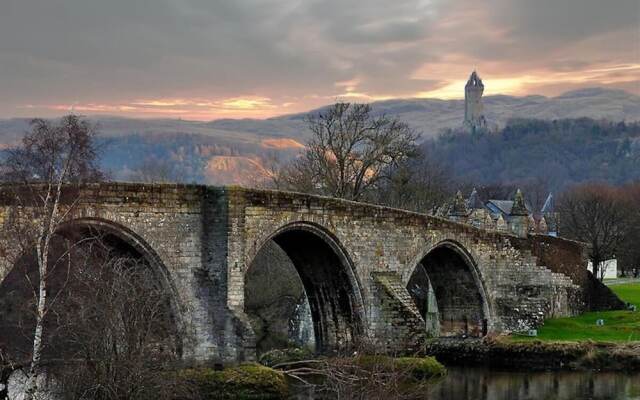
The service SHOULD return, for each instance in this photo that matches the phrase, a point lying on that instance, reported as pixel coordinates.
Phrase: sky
(211, 59)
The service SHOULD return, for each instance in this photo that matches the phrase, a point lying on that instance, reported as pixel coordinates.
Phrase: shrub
(421, 367)
(417, 367)
(247, 381)
(279, 356)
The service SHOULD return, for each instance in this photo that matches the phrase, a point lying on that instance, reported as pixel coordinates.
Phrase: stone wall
(519, 292)
(405, 330)
(568, 258)
(275, 301)
(181, 230)
(204, 239)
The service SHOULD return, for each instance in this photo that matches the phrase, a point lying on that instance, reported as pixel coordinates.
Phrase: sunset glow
(276, 58)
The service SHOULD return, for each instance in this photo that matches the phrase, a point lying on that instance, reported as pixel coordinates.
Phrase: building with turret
(473, 108)
(515, 215)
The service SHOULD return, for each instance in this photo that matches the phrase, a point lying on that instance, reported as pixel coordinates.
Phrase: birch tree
(42, 175)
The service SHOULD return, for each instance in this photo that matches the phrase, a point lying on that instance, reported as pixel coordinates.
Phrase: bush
(417, 367)
(421, 368)
(279, 356)
(247, 381)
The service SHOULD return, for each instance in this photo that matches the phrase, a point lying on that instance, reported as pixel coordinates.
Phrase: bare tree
(276, 166)
(155, 170)
(110, 329)
(629, 255)
(364, 376)
(419, 185)
(599, 215)
(116, 321)
(350, 153)
(45, 169)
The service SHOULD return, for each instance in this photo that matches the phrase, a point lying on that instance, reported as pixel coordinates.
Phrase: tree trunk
(31, 386)
(595, 261)
(42, 249)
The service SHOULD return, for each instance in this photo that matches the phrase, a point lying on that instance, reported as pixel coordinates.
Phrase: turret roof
(459, 205)
(474, 201)
(549, 205)
(474, 80)
(518, 207)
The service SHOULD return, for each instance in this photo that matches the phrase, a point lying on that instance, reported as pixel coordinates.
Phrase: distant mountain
(236, 151)
(430, 116)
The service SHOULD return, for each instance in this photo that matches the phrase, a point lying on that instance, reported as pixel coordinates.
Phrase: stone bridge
(359, 264)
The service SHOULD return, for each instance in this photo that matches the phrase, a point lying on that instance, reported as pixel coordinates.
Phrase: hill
(431, 116)
(556, 153)
(236, 151)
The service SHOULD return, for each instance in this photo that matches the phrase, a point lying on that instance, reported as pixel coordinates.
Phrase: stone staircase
(403, 320)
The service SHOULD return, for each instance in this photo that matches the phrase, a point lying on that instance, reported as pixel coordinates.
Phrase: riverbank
(600, 326)
(576, 343)
(536, 355)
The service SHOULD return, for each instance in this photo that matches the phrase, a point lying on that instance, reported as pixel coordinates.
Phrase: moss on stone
(421, 368)
(246, 381)
(418, 367)
(279, 356)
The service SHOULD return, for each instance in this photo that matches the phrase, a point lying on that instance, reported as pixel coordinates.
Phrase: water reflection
(485, 384)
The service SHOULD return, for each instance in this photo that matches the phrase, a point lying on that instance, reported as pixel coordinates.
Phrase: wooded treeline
(561, 152)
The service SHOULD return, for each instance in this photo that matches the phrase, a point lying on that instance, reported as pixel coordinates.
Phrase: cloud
(218, 58)
(564, 21)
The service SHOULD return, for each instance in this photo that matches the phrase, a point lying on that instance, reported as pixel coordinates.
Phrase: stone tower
(473, 110)
(519, 216)
(459, 211)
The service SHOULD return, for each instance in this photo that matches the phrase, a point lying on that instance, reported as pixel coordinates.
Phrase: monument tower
(473, 112)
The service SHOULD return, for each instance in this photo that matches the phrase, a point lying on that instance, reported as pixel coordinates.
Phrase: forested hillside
(192, 158)
(560, 152)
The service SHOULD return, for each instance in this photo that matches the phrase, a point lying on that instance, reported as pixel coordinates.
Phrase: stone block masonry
(355, 261)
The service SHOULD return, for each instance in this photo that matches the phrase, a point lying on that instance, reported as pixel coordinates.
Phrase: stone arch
(449, 291)
(329, 279)
(140, 245)
(104, 229)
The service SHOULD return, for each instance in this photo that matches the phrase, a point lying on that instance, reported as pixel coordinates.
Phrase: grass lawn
(629, 292)
(619, 326)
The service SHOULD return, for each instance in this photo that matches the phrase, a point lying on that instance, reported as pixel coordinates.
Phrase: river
(469, 383)
(485, 384)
